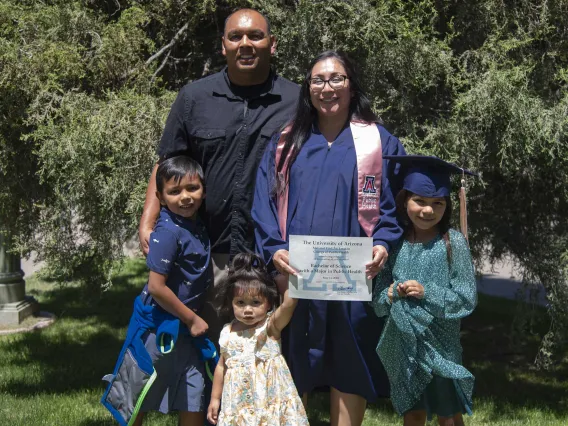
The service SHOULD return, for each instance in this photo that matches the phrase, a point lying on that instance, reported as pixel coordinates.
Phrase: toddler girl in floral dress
(252, 385)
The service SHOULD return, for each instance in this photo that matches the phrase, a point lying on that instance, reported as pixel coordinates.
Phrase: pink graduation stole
(369, 169)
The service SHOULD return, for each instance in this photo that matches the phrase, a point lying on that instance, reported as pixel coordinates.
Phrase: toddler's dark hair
(177, 167)
(247, 274)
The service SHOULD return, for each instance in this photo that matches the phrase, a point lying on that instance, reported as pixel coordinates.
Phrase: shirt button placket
(242, 146)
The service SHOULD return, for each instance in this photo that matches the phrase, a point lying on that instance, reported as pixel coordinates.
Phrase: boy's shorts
(180, 377)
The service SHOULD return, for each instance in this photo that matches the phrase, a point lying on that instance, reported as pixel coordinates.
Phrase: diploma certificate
(330, 268)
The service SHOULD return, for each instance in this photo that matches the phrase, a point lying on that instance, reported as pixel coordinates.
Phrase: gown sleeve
(387, 231)
(264, 212)
(381, 302)
(459, 299)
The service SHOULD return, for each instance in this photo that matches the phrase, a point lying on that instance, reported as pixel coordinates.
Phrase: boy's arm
(282, 316)
(216, 391)
(174, 140)
(149, 213)
(167, 299)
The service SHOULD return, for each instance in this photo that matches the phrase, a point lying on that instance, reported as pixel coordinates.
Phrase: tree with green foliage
(85, 87)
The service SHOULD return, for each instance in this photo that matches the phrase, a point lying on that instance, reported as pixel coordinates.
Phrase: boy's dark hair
(177, 167)
(443, 226)
(247, 274)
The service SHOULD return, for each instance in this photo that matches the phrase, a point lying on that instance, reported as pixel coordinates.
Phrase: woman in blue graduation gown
(328, 343)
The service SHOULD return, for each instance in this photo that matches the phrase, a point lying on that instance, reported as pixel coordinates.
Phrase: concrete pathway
(29, 266)
(503, 281)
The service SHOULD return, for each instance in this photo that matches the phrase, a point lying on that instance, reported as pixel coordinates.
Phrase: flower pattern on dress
(258, 389)
(421, 338)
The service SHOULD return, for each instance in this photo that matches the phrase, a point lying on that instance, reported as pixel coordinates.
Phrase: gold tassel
(463, 209)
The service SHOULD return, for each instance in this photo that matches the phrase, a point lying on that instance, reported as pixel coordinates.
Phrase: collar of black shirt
(230, 90)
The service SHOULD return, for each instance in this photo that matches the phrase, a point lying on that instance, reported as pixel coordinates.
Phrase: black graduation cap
(427, 176)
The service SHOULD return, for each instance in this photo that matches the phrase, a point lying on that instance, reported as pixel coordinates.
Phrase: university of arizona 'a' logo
(369, 187)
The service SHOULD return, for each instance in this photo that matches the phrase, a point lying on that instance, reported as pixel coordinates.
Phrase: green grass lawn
(52, 376)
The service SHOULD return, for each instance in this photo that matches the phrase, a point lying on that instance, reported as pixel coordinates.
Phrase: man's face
(247, 44)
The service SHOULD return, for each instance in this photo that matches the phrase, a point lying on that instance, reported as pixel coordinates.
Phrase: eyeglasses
(335, 82)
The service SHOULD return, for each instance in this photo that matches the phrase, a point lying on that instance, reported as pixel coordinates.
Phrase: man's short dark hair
(177, 167)
(248, 10)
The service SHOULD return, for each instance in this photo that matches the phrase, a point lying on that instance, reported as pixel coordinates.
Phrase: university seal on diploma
(330, 268)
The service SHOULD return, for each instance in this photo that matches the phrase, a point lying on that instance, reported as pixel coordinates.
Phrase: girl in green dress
(427, 286)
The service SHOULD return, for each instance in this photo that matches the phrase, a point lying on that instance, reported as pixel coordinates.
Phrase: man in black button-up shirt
(224, 121)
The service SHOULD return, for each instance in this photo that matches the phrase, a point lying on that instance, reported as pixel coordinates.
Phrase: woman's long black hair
(306, 114)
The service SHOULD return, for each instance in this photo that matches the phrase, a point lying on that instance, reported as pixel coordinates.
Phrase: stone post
(15, 306)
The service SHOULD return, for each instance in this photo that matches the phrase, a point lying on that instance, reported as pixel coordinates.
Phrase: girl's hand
(399, 290)
(281, 260)
(413, 288)
(281, 283)
(213, 411)
(380, 257)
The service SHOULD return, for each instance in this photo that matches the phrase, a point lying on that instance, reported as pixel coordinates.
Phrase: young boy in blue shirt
(165, 322)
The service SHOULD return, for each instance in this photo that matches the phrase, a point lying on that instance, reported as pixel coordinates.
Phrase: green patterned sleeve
(459, 299)
(381, 303)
